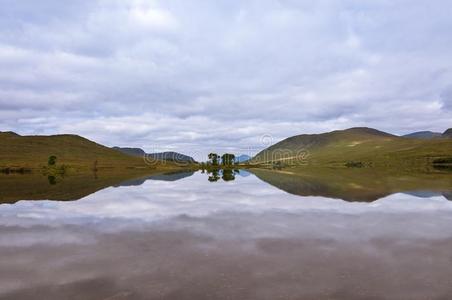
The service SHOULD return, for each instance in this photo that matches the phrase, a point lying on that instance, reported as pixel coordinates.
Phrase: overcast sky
(224, 75)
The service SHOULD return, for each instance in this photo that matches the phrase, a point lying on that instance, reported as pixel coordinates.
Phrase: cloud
(152, 18)
(179, 73)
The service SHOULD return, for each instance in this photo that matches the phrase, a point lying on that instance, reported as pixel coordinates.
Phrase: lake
(255, 234)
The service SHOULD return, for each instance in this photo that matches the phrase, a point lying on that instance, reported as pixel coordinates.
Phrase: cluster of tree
(227, 159)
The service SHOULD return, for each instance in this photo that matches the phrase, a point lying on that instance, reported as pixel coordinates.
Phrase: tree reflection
(214, 175)
(224, 174)
(228, 175)
(52, 180)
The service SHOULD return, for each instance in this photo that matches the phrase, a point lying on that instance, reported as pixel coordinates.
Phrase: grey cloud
(446, 97)
(178, 73)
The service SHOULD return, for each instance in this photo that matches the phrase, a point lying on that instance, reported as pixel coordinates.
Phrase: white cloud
(153, 18)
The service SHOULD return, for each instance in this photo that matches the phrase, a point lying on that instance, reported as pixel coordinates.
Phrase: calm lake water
(191, 236)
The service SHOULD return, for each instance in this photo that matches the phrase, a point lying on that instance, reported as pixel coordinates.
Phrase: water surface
(229, 236)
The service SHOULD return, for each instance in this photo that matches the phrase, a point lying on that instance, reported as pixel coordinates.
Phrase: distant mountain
(447, 133)
(430, 134)
(131, 151)
(354, 147)
(8, 133)
(169, 156)
(242, 158)
(423, 135)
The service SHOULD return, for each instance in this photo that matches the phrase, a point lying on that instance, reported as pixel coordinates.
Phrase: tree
(228, 159)
(213, 157)
(52, 160)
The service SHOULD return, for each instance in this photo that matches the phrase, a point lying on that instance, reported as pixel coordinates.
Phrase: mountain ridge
(447, 133)
(168, 155)
(423, 135)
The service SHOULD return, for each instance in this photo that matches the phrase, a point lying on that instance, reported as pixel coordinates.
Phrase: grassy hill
(32, 152)
(356, 147)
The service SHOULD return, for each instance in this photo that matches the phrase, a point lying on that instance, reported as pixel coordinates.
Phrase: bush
(354, 164)
(52, 160)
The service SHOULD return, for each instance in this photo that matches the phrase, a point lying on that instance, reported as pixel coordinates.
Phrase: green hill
(356, 147)
(32, 152)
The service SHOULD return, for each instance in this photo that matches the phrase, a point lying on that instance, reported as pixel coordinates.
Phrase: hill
(447, 133)
(167, 156)
(356, 147)
(131, 151)
(171, 156)
(242, 158)
(32, 152)
(423, 135)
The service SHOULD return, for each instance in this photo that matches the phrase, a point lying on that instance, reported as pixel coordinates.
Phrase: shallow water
(181, 236)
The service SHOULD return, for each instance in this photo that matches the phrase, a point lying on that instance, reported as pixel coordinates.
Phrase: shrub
(52, 160)
(354, 164)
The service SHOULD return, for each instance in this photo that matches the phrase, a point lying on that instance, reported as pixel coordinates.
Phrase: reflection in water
(350, 185)
(214, 175)
(35, 186)
(356, 185)
(172, 176)
(444, 168)
(225, 174)
(190, 239)
(228, 175)
(52, 180)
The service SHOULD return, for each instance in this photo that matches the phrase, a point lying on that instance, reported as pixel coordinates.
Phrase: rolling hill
(32, 152)
(167, 156)
(355, 147)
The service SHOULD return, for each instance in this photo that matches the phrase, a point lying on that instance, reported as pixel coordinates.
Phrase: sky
(228, 76)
